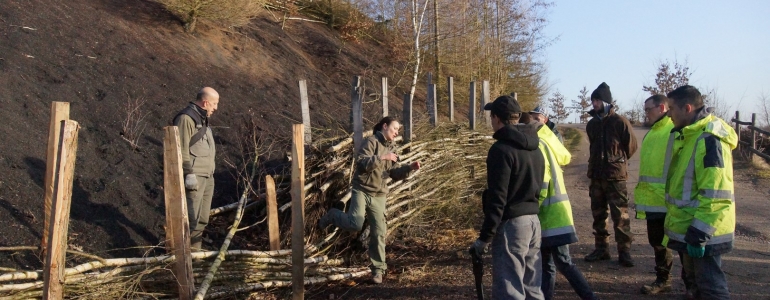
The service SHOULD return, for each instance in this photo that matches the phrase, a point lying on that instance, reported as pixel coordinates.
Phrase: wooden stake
(305, 111)
(356, 113)
(484, 100)
(177, 223)
(451, 91)
(53, 273)
(407, 118)
(298, 213)
(272, 214)
(472, 108)
(753, 135)
(60, 111)
(384, 97)
(432, 112)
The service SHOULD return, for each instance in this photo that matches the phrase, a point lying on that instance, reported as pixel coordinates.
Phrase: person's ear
(688, 108)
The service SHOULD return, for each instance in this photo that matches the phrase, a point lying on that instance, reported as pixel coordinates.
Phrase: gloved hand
(191, 182)
(696, 251)
(480, 247)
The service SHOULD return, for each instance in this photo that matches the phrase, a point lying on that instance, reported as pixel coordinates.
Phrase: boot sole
(652, 291)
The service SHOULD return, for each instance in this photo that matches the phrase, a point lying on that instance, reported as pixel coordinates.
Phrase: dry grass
(571, 138)
(228, 12)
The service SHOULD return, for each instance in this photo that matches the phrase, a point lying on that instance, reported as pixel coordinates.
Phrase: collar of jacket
(699, 114)
(599, 115)
(550, 124)
(381, 138)
(202, 112)
(662, 121)
(523, 136)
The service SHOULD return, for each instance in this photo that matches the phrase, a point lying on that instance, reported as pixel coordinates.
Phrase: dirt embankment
(101, 55)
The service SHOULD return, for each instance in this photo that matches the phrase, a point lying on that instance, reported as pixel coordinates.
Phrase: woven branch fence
(450, 156)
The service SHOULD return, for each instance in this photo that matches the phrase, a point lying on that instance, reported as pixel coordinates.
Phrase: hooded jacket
(514, 174)
(557, 226)
(612, 143)
(699, 187)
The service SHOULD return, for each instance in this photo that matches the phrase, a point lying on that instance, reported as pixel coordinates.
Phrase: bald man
(198, 151)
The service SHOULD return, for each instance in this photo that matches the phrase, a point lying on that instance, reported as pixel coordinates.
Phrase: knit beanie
(602, 93)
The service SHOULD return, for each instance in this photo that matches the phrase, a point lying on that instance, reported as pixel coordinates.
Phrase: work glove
(480, 247)
(191, 182)
(696, 251)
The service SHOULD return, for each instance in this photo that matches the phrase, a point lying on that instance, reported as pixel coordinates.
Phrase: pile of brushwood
(452, 158)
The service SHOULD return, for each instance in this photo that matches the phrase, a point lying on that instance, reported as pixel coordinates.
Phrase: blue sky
(726, 45)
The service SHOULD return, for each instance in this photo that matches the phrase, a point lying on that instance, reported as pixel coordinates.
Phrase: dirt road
(438, 268)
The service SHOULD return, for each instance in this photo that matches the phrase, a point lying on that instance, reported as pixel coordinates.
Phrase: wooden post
(298, 214)
(384, 97)
(60, 111)
(738, 129)
(427, 91)
(272, 214)
(484, 100)
(753, 136)
(432, 110)
(472, 108)
(305, 111)
(177, 222)
(53, 272)
(451, 92)
(356, 113)
(407, 118)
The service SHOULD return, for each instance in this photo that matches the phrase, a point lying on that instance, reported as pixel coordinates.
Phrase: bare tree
(669, 76)
(559, 111)
(416, 33)
(712, 99)
(764, 111)
(582, 105)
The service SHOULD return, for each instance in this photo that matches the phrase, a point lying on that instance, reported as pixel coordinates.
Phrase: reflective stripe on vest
(558, 231)
(689, 176)
(653, 209)
(713, 241)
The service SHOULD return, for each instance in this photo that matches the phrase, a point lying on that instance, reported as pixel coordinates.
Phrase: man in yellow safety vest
(700, 222)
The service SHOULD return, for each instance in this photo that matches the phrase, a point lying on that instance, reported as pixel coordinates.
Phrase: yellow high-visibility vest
(650, 191)
(699, 188)
(557, 227)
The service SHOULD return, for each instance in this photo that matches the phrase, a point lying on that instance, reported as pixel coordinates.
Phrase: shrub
(229, 12)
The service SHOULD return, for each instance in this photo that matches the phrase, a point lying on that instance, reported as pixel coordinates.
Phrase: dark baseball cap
(503, 105)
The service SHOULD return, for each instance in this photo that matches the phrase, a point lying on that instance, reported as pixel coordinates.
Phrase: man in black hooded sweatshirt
(515, 170)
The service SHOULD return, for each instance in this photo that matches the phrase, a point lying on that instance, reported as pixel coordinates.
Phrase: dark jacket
(612, 143)
(372, 172)
(515, 170)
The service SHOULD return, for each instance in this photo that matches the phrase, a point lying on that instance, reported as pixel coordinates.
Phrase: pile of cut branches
(452, 159)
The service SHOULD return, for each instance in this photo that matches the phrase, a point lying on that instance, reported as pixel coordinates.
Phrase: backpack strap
(202, 128)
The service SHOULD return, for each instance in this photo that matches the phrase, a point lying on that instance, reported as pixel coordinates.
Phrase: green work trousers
(364, 207)
(198, 209)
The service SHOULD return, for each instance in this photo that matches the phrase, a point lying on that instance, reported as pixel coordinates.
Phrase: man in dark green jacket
(612, 143)
(198, 151)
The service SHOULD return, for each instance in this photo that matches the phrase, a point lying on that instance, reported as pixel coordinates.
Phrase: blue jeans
(516, 269)
(710, 281)
(558, 258)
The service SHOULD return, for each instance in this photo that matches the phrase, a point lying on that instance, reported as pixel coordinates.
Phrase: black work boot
(326, 224)
(598, 254)
(624, 258)
(658, 286)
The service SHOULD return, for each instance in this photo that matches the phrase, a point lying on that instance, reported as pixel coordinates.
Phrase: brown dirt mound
(99, 54)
